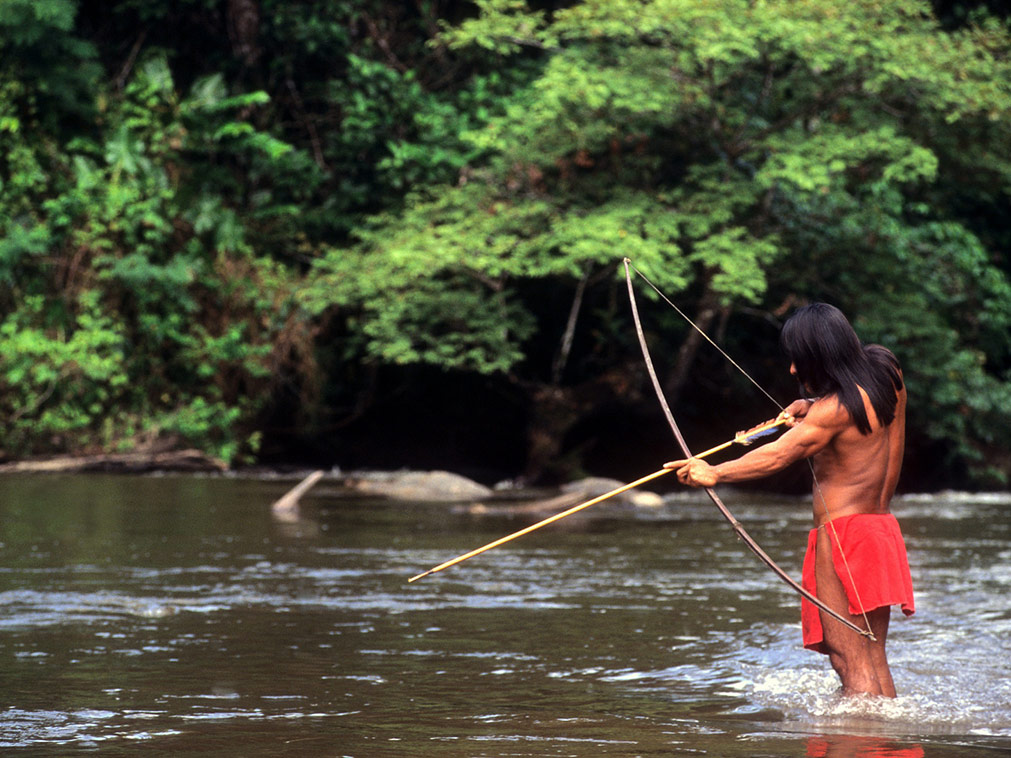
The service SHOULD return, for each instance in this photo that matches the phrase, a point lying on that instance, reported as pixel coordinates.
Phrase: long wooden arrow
(741, 439)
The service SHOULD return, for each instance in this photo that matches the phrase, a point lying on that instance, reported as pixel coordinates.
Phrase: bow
(737, 527)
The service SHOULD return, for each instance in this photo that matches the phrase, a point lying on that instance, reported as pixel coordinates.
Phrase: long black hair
(831, 360)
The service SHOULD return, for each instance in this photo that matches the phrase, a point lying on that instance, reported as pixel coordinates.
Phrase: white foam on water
(950, 694)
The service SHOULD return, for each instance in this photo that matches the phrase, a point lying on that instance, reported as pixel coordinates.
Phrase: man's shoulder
(829, 411)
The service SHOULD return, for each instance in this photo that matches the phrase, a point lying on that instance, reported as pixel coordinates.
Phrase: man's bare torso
(854, 472)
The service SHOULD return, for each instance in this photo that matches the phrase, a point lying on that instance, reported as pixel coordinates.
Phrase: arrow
(739, 439)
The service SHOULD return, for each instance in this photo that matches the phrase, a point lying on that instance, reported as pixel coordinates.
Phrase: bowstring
(819, 495)
(706, 337)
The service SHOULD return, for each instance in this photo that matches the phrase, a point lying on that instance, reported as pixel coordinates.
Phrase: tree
(133, 310)
(742, 154)
(168, 170)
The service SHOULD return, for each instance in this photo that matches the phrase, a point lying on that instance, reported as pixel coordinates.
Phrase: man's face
(793, 373)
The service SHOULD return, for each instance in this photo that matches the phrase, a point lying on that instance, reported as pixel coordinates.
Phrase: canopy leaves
(205, 230)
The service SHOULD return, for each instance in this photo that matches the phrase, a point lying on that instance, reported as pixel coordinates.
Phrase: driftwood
(129, 463)
(288, 503)
(573, 493)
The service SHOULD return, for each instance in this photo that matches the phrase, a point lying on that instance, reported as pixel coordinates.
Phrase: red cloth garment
(874, 571)
(860, 747)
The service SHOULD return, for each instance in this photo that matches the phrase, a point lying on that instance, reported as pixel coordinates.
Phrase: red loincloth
(865, 747)
(876, 556)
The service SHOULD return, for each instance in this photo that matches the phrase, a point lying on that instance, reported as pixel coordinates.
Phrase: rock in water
(439, 486)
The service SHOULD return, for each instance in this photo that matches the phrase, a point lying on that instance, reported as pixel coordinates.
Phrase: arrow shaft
(545, 522)
(587, 504)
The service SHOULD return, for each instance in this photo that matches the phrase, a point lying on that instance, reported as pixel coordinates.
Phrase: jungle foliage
(222, 217)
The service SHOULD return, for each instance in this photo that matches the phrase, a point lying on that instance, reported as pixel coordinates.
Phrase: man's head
(821, 345)
(829, 359)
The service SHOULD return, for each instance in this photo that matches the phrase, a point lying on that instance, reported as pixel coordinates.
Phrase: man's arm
(792, 415)
(824, 420)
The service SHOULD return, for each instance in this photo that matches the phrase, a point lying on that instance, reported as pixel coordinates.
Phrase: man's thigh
(838, 638)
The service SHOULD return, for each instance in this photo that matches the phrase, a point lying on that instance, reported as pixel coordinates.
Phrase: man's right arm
(823, 421)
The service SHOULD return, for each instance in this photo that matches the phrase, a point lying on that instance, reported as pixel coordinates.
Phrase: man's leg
(879, 625)
(861, 664)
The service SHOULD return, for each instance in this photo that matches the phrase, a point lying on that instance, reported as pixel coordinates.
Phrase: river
(174, 614)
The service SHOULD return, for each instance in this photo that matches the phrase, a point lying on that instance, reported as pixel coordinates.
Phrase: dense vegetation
(386, 233)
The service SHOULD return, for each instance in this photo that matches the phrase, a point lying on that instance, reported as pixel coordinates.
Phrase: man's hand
(790, 416)
(795, 411)
(694, 472)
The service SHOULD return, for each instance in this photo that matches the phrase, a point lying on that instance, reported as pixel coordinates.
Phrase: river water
(176, 615)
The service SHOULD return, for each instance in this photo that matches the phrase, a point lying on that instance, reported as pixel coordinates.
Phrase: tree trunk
(708, 311)
(555, 410)
(124, 463)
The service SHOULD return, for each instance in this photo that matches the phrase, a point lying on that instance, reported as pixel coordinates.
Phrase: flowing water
(175, 615)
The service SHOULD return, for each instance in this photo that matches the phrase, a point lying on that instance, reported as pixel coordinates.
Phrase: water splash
(942, 697)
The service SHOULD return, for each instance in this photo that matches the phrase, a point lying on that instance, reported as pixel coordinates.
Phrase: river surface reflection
(174, 614)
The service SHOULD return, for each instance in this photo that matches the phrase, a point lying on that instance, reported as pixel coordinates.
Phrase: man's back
(856, 472)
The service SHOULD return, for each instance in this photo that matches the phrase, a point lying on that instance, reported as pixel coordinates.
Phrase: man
(854, 429)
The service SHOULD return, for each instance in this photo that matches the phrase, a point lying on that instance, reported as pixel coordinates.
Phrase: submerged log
(594, 486)
(573, 494)
(127, 463)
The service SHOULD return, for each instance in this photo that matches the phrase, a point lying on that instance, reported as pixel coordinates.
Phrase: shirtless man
(854, 429)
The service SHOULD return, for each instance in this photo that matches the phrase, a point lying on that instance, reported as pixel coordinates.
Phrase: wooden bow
(738, 528)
